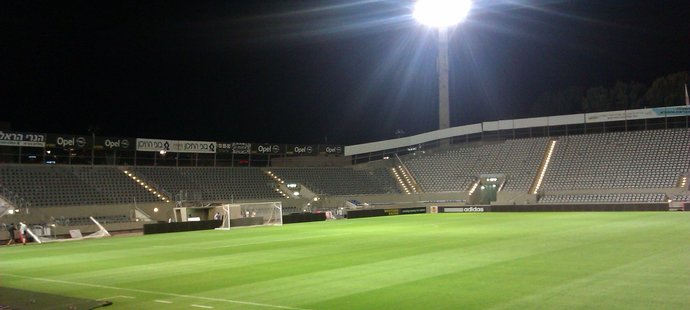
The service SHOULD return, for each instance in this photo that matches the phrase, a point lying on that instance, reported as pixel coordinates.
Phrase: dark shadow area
(11, 298)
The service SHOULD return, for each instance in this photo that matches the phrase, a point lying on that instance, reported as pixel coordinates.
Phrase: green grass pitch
(579, 260)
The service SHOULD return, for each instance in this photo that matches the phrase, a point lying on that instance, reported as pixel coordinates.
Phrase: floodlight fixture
(441, 13)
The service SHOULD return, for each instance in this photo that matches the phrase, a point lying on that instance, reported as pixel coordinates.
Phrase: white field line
(155, 292)
(118, 296)
(163, 301)
(201, 306)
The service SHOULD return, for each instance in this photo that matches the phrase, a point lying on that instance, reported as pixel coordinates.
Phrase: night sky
(341, 72)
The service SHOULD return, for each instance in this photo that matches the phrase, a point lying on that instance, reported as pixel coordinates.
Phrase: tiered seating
(340, 180)
(642, 159)
(208, 183)
(290, 210)
(106, 219)
(604, 198)
(682, 197)
(111, 183)
(458, 169)
(521, 162)
(169, 179)
(48, 185)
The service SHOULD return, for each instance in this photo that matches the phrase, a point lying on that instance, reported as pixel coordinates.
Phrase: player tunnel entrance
(489, 186)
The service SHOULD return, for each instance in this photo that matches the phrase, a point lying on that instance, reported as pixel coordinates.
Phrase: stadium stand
(604, 198)
(85, 220)
(110, 182)
(340, 180)
(210, 183)
(639, 159)
(581, 169)
(458, 168)
(49, 185)
(682, 197)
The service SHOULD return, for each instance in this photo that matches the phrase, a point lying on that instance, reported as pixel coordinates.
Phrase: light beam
(441, 13)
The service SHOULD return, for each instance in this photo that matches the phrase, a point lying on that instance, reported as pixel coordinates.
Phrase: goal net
(74, 234)
(251, 214)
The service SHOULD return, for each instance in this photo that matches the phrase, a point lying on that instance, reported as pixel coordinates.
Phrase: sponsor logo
(111, 144)
(64, 142)
(22, 139)
(81, 142)
(413, 211)
(468, 209)
(235, 148)
(197, 146)
(116, 144)
(303, 149)
(392, 211)
(241, 148)
(334, 149)
(71, 142)
(264, 149)
(153, 145)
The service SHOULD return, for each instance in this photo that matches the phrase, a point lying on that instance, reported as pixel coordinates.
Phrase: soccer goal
(74, 234)
(251, 214)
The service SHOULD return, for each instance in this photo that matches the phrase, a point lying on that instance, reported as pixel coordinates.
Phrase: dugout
(195, 213)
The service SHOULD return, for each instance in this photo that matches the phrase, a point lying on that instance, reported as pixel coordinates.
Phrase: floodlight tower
(442, 15)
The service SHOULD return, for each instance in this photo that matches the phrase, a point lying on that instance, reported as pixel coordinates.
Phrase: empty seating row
(641, 159)
(458, 168)
(210, 183)
(51, 185)
(340, 180)
(606, 198)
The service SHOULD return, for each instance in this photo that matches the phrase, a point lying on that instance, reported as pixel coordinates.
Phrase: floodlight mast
(443, 80)
(442, 15)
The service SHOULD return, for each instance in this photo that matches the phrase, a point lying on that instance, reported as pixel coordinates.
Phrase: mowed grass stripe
(489, 260)
(430, 261)
(596, 253)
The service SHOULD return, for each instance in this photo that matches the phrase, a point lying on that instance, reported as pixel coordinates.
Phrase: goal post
(251, 214)
(100, 233)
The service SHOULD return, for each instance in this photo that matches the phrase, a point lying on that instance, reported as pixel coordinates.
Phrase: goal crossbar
(251, 214)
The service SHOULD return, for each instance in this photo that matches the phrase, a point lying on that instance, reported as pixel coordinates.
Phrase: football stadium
(506, 214)
(567, 211)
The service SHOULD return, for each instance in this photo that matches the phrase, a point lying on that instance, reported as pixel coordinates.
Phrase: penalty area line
(118, 296)
(249, 303)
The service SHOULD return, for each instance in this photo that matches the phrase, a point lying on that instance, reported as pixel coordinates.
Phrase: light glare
(441, 13)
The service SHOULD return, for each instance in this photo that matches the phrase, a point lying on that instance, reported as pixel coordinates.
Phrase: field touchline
(155, 292)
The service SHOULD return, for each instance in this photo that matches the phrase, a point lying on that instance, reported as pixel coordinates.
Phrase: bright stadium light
(441, 13)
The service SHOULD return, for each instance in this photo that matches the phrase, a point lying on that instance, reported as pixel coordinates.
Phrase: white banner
(175, 146)
(10, 138)
(154, 145)
(637, 114)
(196, 147)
